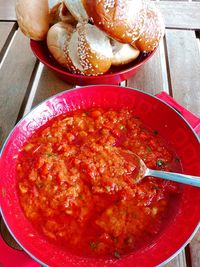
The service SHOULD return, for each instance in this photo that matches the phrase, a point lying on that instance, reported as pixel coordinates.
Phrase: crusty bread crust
(122, 20)
(94, 49)
(54, 13)
(33, 18)
(153, 30)
(85, 50)
(58, 38)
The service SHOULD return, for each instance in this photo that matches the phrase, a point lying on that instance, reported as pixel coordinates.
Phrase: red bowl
(180, 224)
(114, 76)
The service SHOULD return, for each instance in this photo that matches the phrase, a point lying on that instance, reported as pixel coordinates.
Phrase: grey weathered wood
(14, 79)
(49, 85)
(181, 15)
(5, 31)
(149, 78)
(195, 250)
(7, 10)
(184, 65)
(178, 261)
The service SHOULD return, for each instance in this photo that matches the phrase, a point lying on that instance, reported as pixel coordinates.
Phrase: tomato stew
(80, 194)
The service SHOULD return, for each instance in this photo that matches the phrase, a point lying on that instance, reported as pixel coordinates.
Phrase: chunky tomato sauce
(80, 193)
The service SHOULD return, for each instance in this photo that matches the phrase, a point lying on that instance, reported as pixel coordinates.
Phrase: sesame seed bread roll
(85, 50)
(33, 18)
(122, 20)
(153, 30)
(77, 9)
(123, 53)
(58, 38)
(72, 55)
(94, 49)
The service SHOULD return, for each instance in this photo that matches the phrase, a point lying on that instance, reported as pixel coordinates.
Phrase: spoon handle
(177, 177)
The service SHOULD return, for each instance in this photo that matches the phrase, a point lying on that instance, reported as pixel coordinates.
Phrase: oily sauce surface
(80, 194)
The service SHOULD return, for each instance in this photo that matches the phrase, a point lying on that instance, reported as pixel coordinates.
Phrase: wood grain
(6, 29)
(180, 15)
(195, 250)
(178, 261)
(49, 85)
(14, 76)
(7, 10)
(149, 78)
(184, 67)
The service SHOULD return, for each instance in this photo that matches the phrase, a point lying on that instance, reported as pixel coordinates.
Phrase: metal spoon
(142, 171)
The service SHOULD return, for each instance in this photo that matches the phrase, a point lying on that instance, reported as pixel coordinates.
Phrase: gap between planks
(7, 47)
(30, 91)
(33, 89)
(163, 59)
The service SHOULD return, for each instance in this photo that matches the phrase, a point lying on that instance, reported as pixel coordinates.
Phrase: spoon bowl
(141, 171)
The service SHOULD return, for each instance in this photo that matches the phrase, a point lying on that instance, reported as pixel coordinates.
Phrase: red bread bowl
(114, 76)
(180, 224)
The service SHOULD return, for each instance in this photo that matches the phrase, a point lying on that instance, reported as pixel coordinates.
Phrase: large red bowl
(179, 226)
(114, 76)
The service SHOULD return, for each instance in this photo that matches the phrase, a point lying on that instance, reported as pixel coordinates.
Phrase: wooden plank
(48, 86)
(180, 15)
(184, 65)
(15, 76)
(178, 261)
(195, 250)
(5, 31)
(185, 72)
(7, 10)
(149, 78)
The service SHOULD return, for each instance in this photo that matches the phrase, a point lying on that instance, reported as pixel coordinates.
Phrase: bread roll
(54, 11)
(77, 9)
(89, 51)
(123, 53)
(59, 12)
(66, 16)
(85, 50)
(94, 50)
(120, 19)
(58, 38)
(33, 18)
(153, 30)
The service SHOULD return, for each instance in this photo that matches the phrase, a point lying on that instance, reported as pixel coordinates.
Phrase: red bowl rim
(66, 73)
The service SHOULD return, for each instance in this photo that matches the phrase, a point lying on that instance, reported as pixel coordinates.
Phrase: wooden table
(175, 68)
